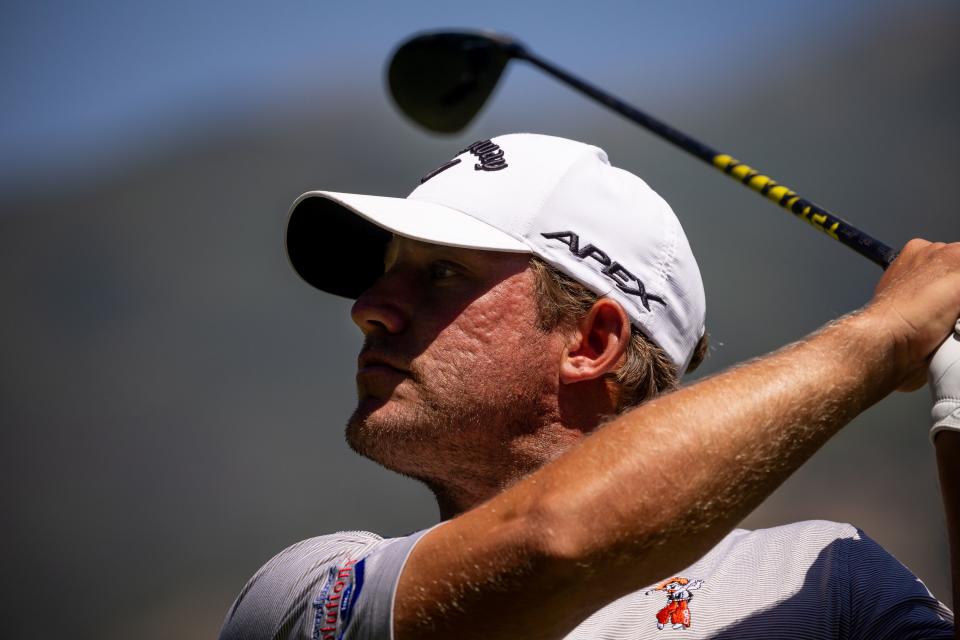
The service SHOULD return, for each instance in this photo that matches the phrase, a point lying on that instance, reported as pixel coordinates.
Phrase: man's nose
(382, 307)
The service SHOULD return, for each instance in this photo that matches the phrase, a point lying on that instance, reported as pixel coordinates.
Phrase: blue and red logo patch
(334, 604)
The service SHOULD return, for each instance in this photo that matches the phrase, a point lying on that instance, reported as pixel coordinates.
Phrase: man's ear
(598, 343)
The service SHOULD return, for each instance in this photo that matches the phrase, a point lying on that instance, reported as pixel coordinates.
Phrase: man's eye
(440, 271)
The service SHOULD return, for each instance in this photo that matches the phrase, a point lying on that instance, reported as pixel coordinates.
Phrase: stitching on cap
(669, 260)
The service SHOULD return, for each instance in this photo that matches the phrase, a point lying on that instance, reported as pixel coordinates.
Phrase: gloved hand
(945, 385)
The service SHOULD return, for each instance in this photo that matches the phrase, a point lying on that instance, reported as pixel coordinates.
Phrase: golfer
(528, 313)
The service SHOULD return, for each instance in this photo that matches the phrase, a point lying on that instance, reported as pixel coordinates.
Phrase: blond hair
(646, 370)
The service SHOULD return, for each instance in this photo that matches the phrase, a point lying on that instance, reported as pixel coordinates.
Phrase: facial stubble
(451, 432)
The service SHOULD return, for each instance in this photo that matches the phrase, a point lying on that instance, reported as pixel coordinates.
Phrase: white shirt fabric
(811, 580)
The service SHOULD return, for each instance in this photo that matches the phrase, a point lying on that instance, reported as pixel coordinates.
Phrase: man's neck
(480, 479)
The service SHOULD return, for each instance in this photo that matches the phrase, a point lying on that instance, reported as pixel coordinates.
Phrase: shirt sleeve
(334, 587)
(886, 601)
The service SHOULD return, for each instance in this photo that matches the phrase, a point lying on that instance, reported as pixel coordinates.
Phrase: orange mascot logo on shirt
(679, 593)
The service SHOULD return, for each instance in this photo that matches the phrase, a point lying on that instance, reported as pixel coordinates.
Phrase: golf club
(441, 80)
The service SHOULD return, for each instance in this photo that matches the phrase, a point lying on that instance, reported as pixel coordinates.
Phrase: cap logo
(490, 155)
(625, 281)
(440, 169)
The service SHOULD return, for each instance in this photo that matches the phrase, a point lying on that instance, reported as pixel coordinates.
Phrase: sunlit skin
(456, 383)
(549, 516)
(550, 548)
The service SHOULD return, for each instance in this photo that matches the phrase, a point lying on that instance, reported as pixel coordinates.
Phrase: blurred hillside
(172, 396)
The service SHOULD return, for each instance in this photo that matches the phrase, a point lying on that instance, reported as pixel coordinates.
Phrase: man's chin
(367, 406)
(377, 429)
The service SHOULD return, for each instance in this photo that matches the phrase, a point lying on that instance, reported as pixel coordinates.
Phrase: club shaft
(815, 215)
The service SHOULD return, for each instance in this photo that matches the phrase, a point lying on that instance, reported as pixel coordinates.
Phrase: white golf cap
(555, 198)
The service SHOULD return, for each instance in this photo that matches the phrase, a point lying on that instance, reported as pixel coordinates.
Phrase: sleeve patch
(333, 606)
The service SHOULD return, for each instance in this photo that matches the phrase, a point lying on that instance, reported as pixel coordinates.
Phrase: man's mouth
(372, 362)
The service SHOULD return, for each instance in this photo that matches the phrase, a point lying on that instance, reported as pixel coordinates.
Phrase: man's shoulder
(818, 564)
(314, 554)
(818, 557)
(793, 556)
(283, 594)
(807, 533)
(819, 529)
(803, 538)
(333, 543)
(812, 577)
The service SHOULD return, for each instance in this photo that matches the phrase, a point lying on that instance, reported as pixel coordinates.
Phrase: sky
(88, 82)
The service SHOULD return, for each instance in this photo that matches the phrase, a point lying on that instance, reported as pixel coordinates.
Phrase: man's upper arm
(338, 586)
(887, 602)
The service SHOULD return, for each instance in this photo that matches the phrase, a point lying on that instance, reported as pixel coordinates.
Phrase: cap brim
(335, 241)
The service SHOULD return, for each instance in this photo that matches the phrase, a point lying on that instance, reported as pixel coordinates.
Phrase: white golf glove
(945, 385)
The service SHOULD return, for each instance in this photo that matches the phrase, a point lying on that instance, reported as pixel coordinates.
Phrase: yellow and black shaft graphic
(787, 198)
(784, 196)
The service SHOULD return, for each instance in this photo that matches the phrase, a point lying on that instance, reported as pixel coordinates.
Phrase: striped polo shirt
(811, 580)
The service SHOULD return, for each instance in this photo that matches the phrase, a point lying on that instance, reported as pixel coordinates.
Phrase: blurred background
(172, 396)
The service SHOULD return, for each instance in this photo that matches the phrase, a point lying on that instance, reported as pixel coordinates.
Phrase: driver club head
(441, 80)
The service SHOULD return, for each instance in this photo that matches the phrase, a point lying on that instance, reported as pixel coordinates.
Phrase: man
(525, 312)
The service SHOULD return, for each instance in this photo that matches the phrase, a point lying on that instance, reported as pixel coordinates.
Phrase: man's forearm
(717, 448)
(592, 521)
